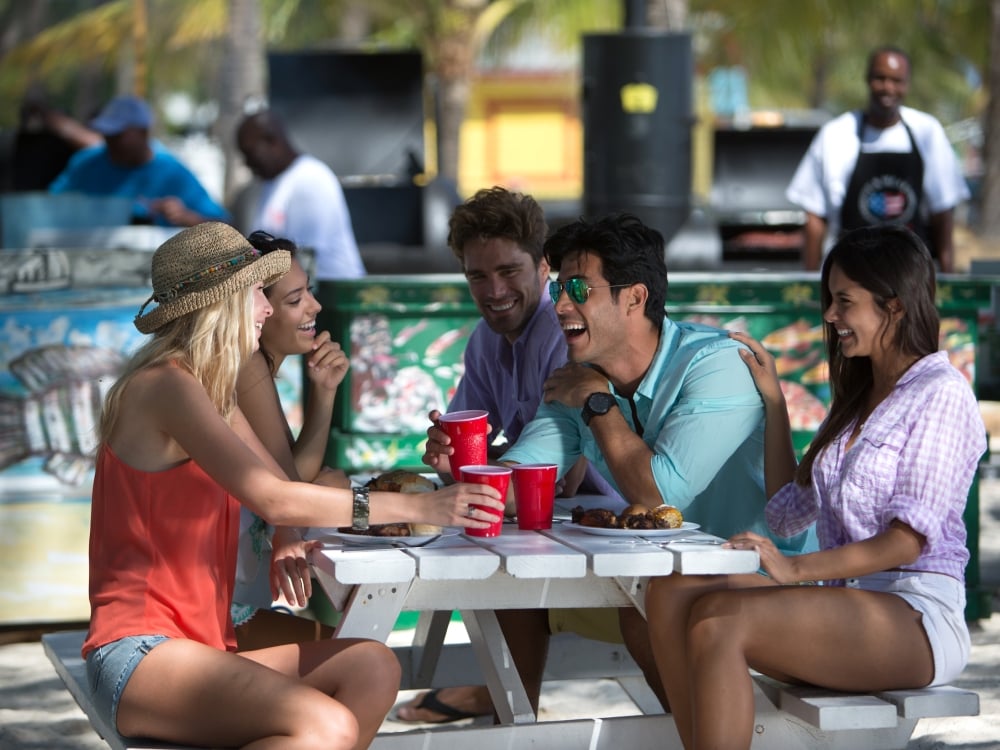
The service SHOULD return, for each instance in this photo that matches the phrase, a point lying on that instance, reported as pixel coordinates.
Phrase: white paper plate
(365, 540)
(598, 531)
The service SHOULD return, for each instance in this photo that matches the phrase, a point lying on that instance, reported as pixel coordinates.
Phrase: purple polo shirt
(913, 461)
(506, 379)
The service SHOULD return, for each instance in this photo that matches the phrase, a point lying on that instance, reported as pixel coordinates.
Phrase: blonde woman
(175, 461)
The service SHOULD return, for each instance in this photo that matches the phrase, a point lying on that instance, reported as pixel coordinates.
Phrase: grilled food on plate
(635, 516)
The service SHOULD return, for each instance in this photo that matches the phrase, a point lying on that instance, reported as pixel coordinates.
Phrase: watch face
(597, 404)
(600, 403)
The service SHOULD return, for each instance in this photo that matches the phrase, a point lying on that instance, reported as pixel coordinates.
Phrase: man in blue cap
(128, 164)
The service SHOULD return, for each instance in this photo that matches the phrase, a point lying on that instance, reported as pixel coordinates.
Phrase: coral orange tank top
(162, 554)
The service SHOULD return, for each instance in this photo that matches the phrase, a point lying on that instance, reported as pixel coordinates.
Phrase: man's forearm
(942, 239)
(812, 251)
(628, 457)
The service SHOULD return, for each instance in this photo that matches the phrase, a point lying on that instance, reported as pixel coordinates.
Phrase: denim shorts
(110, 666)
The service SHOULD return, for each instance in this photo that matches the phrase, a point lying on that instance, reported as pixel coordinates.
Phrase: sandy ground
(37, 712)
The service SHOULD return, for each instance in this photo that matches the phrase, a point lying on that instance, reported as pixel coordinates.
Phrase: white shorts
(940, 599)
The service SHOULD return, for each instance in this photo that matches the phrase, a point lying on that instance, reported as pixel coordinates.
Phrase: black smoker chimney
(637, 118)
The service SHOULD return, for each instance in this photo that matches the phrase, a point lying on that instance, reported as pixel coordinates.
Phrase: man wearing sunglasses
(666, 411)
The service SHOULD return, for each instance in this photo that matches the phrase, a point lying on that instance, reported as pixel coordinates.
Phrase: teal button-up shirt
(702, 418)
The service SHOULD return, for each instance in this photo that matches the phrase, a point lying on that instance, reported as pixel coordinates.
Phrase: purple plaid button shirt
(913, 461)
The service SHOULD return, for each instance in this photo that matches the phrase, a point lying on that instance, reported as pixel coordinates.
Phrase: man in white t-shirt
(886, 164)
(301, 198)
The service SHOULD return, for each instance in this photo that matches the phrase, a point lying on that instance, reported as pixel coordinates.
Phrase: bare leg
(270, 627)
(869, 641)
(324, 694)
(635, 632)
(668, 605)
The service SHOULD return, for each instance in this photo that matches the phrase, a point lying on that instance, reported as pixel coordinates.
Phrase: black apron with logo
(886, 188)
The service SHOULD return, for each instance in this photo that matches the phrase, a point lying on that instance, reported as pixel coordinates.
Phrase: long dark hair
(892, 263)
(267, 243)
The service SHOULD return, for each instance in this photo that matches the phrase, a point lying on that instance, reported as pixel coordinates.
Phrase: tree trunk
(241, 79)
(670, 15)
(453, 69)
(989, 227)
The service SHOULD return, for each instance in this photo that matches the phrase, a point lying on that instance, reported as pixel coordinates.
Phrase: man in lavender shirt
(497, 236)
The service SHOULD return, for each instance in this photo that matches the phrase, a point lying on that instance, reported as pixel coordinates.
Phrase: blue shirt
(92, 171)
(702, 418)
(506, 380)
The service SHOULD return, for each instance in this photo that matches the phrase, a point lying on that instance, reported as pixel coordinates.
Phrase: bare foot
(447, 704)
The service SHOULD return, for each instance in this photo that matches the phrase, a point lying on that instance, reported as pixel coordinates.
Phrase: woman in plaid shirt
(885, 480)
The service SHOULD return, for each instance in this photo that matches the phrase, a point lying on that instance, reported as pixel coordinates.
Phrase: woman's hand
(762, 368)
(327, 364)
(778, 566)
(452, 506)
(290, 576)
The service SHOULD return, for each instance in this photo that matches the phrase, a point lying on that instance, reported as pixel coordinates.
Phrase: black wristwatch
(597, 403)
(360, 514)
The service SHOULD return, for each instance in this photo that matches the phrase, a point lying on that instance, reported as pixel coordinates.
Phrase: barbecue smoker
(751, 167)
(637, 118)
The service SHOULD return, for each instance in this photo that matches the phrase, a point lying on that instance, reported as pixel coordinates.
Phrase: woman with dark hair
(273, 564)
(885, 479)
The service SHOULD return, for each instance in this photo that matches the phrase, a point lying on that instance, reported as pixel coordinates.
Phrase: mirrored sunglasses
(577, 289)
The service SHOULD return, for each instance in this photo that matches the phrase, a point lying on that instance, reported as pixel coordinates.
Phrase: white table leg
(510, 700)
(372, 610)
(427, 643)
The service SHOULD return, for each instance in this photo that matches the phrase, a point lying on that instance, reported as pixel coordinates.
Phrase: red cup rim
(467, 415)
(484, 469)
(515, 467)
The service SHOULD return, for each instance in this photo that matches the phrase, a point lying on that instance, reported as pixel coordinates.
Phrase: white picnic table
(560, 567)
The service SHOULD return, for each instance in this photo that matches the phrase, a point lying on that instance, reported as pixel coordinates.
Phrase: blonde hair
(212, 343)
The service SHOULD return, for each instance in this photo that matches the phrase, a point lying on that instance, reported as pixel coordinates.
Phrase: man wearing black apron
(887, 183)
(885, 188)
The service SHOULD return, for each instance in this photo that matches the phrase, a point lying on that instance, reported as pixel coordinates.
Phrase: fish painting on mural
(58, 417)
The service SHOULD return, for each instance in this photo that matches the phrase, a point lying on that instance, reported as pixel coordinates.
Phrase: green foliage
(797, 53)
(801, 53)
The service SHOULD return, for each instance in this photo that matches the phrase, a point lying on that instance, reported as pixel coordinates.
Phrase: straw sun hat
(204, 264)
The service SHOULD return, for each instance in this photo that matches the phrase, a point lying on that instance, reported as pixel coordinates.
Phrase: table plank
(694, 559)
(454, 558)
(528, 554)
(352, 565)
(614, 556)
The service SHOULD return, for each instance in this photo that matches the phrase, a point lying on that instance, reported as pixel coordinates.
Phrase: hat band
(169, 294)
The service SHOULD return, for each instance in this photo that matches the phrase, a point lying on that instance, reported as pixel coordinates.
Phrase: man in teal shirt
(667, 412)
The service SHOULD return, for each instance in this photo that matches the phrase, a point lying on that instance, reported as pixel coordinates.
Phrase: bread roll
(668, 517)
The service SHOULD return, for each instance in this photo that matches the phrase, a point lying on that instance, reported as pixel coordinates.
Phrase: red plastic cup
(534, 495)
(467, 430)
(494, 476)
